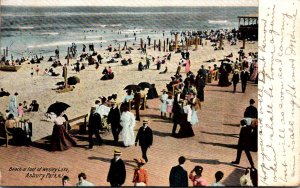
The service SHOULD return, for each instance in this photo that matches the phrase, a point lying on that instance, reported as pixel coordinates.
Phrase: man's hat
(145, 121)
(113, 101)
(117, 152)
(163, 90)
(252, 101)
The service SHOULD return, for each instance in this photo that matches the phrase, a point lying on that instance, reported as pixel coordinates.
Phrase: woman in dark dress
(223, 80)
(186, 130)
(60, 139)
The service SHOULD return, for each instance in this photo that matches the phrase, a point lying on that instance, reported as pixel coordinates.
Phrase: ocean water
(39, 30)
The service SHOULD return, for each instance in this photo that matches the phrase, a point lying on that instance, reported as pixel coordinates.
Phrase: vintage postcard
(149, 93)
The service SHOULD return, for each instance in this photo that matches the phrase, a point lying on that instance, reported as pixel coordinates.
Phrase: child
(170, 101)
(37, 69)
(20, 110)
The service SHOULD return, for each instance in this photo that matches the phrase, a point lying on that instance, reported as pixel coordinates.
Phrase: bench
(82, 128)
(4, 133)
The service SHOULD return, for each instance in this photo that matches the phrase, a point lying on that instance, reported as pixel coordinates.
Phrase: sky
(130, 2)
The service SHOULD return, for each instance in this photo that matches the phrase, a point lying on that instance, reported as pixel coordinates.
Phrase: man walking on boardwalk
(114, 120)
(244, 77)
(145, 138)
(117, 172)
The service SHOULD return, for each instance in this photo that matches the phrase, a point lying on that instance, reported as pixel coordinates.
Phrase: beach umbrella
(144, 85)
(132, 87)
(57, 108)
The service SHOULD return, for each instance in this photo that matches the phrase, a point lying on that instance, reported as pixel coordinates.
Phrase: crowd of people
(180, 102)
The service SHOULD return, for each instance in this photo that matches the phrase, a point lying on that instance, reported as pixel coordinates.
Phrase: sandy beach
(91, 87)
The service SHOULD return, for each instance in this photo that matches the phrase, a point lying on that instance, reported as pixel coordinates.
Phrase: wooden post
(68, 58)
(176, 42)
(244, 43)
(196, 43)
(154, 44)
(221, 43)
(201, 41)
(159, 45)
(164, 45)
(142, 43)
(6, 54)
(167, 41)
(65, 70)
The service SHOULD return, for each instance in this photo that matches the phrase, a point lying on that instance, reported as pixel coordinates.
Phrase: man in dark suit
(178, 176)
(94, 127)
(145, 138)
(246, 142)
(251, 111)
(244, 77)
(113, 119)
(117, 172)
(137, 101)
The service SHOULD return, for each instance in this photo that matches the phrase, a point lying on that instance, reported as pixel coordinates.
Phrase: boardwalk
(213, 147)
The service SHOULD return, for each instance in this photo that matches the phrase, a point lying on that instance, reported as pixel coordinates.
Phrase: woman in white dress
(163, 106)
(127, 122)
(195, 106)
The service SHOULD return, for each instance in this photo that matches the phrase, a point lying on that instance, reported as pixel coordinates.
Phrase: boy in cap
(117, 172)
(145, 138)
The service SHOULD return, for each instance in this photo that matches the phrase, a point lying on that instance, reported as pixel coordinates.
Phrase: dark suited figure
(177, 111)
(94, 127)
(113, 119)
(246, 142)
(200, 84)
(137, 101)
(251, 111)
(244, 78)
(117, 172)
(145, 138)
(235, 79)
(178, 176)
(202, 73)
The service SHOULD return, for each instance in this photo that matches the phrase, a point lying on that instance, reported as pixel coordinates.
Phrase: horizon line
(128, 6)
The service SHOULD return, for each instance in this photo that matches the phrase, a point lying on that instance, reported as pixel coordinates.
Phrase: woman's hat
(236, 70)
(113, 101)
(140, 161)
(163, 90)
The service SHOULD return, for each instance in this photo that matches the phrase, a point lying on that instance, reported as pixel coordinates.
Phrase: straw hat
(113, 101)
(117, 152)
(145, 121)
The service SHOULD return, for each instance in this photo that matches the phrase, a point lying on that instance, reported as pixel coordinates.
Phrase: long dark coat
(178, 177)
(117, 172)
(145, 137)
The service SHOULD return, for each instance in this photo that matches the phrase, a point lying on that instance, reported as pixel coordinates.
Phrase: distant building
(248, 27)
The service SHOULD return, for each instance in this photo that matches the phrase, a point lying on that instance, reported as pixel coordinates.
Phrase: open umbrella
(57, 108)
(144, 85)
(132, 87)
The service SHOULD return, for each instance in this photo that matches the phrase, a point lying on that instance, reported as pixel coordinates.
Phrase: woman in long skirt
(163, 106)
(186, 130)
(196, 105)
(60, 139)
(127, 122)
